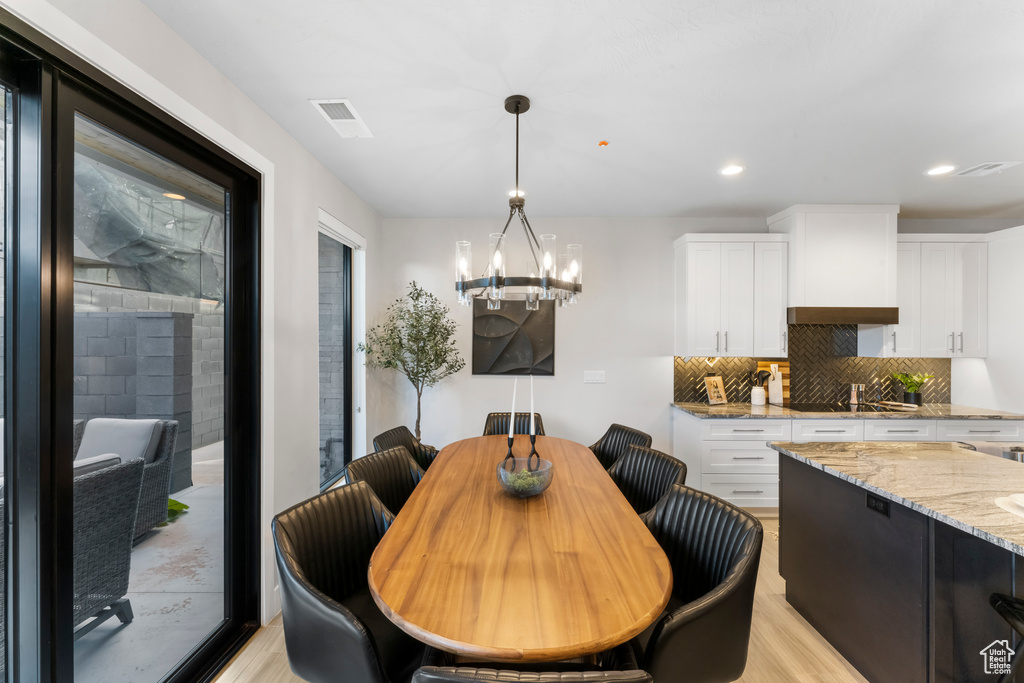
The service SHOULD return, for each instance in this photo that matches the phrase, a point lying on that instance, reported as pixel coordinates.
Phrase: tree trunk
(419, 395)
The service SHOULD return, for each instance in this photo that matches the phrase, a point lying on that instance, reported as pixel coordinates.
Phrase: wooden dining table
(469, 569)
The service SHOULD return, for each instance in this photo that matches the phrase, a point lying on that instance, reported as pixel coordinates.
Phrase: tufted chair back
(616, 441)
(497, 423)
(323, 549)
(392, 474)
(714, 548)
(644, 475)
(401, 436)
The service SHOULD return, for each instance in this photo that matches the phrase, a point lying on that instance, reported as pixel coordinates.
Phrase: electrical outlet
(593, 376)
(878, 505)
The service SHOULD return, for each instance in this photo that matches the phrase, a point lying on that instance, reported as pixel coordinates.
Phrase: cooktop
(841, 408)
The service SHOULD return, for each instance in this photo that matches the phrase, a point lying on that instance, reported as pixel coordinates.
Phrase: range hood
(842, 315)
(842, 263)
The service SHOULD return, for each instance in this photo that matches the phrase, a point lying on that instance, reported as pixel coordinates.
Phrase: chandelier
(547, 274)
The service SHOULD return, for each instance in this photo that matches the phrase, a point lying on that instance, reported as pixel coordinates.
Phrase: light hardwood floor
(783, 647)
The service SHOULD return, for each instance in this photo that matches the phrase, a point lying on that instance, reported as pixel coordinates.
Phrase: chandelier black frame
(548, 282)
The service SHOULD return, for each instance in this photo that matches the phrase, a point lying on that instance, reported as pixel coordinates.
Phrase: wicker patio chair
(104, 435)
(105, 503)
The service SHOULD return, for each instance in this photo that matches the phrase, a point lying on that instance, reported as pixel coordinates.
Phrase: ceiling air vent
(986, 168)
(343, 118)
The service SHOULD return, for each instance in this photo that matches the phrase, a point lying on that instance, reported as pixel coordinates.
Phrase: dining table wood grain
(469, 569)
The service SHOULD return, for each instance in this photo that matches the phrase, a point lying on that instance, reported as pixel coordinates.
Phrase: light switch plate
(593, 376)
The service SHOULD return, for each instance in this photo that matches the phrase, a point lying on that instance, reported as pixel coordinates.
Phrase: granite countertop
(930, 411)
(944, 481)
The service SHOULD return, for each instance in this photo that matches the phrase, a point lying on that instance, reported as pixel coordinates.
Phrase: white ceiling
(825, 101)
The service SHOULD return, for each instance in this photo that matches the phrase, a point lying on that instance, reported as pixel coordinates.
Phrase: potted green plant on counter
(911, 385)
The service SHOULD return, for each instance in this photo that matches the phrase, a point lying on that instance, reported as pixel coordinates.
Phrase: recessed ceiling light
(942, 169)
(733, 169)
(512, 193)
(171, 195)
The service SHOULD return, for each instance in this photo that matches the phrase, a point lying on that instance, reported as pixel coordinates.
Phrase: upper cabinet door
(904, 339)
(970, 299)
(703, 299)
(770, 292)
(737, 299)
(938, 326)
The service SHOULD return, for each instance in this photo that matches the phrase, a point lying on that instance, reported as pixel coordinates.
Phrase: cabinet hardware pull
(983, 431)
(784, 342)
(902, 431)
(716, 342)
(757, 491)
(747, 430)
(748, 457)
(951, 339)
(726, 348)
(829, 431)
(894, 342)
(961, 342)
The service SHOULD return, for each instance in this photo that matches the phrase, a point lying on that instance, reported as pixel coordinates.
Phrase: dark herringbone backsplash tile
(822, 362)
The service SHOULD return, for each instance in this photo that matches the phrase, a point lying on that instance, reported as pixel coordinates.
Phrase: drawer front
(899, 430)
(980, 430)
(828, 430)
(729, 457)
(745, 490)
(745, 430)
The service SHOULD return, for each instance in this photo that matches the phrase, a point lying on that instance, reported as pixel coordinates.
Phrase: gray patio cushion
(129, 439)
(98, 462)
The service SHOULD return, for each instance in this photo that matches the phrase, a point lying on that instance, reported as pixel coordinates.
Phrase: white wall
(997, 382)
(130, 43)
(623, 325)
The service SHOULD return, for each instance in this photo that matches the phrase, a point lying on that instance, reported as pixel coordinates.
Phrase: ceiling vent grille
(343, 118)
(986, 168)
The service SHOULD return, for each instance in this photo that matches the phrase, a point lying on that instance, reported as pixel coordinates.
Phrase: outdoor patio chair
(105, 504)
(153, 441)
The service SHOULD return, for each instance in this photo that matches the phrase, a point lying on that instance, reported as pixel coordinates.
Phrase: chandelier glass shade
(546, 275)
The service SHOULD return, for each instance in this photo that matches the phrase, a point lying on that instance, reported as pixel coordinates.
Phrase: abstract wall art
(513, 340)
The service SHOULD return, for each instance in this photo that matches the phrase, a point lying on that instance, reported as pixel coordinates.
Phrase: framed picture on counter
(716, 390)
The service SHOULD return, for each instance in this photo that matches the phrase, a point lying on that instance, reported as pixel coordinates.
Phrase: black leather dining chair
(333, 630)
(392, 474)
(644, 475)
(714, 548)
(617, 665)
(616, 440)
(1011, 609)
(401, 436)
(497, 423)
(453, 674)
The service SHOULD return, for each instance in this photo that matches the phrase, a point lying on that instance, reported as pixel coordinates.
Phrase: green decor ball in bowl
(522, 482)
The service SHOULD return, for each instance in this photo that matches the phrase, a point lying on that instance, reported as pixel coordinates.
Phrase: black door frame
(51, 86)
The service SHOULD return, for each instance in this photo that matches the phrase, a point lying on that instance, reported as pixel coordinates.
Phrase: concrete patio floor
(176, 588)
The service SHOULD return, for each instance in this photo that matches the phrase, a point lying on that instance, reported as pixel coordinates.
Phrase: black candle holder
(532, 467)
(510, 456)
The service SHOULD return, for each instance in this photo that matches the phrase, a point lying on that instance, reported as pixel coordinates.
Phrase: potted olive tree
(417, 338)
(911, 385)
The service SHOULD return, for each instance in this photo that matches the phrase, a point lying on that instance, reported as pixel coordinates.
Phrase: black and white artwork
(513, 340)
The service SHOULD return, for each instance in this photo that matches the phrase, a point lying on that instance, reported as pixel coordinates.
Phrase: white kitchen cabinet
(954, 300)
(770, 292)
(900, 430)
(716, 285)
(981, 430)
(846, 429)
(902, 340)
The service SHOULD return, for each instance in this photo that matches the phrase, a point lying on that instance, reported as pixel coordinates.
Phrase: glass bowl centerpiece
(519, 480)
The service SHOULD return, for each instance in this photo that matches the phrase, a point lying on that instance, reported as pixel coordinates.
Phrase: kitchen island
(891, 550)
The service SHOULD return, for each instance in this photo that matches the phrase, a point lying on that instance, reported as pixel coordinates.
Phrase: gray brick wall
(207, 347)
(332, 358)
(138, 365)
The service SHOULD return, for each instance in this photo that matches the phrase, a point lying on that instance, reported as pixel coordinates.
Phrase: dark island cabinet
(902, 597)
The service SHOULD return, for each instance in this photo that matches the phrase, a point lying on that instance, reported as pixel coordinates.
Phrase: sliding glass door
(335, 318)
(131, 461)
